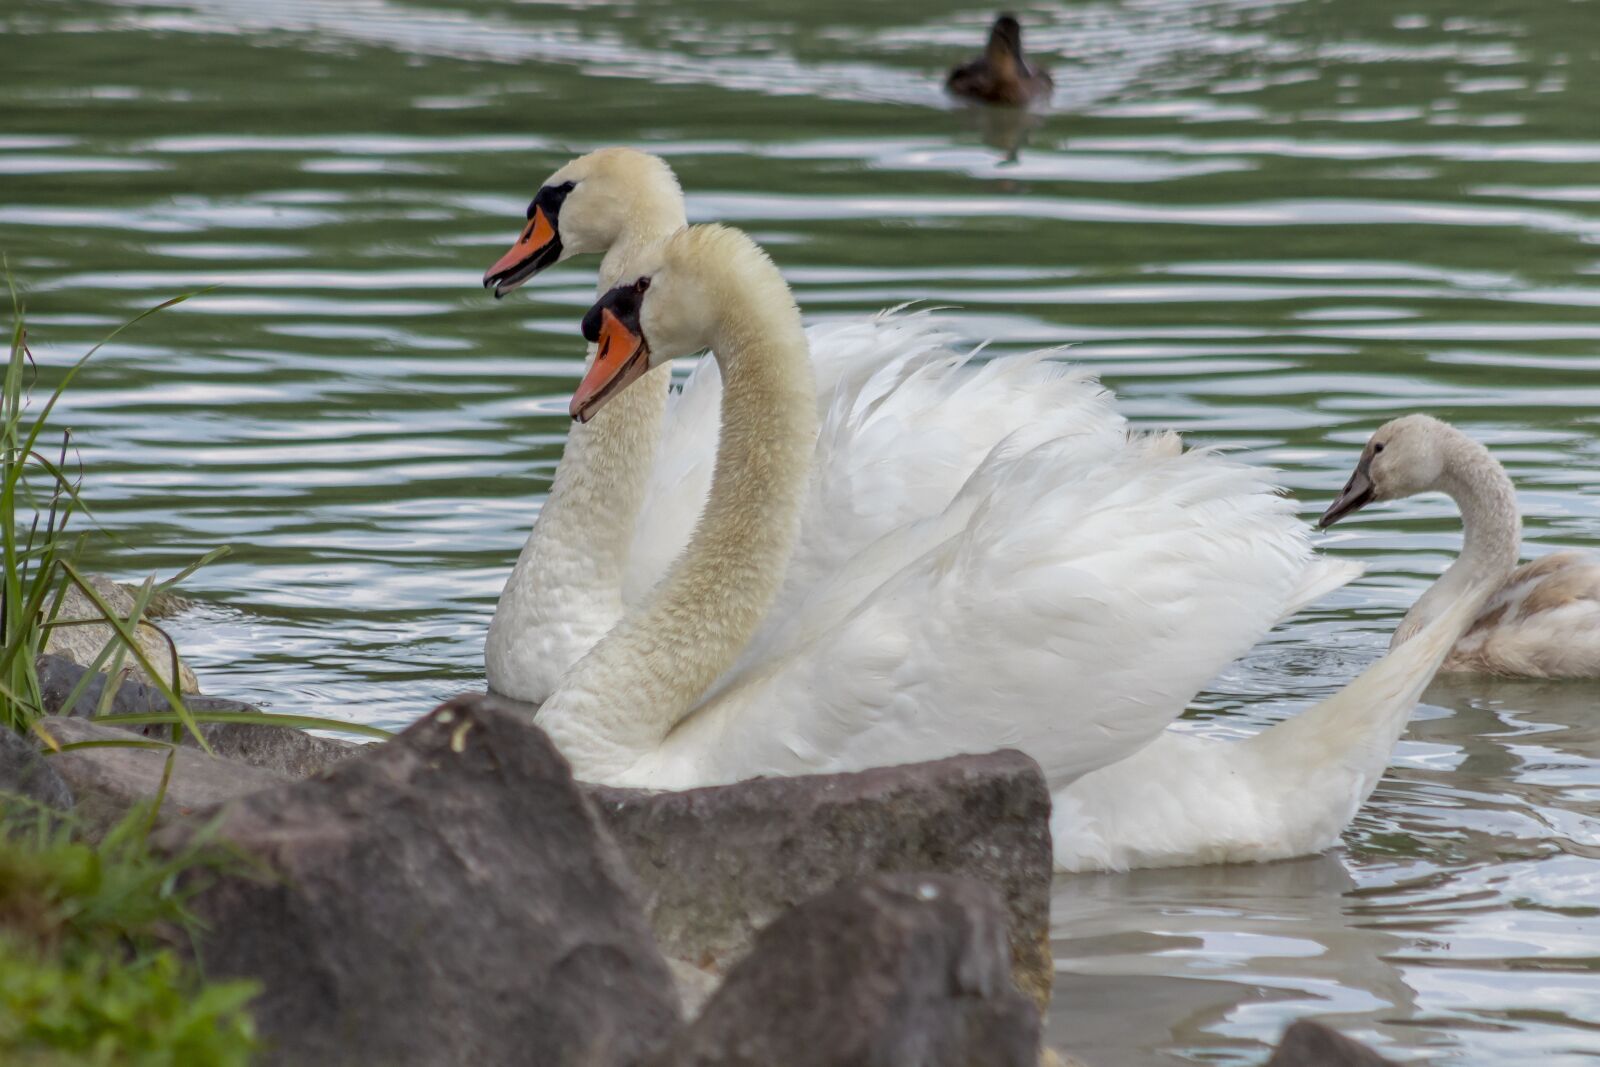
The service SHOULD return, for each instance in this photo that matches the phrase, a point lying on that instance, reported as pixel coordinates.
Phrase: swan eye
(1377, 446)
(641, 285)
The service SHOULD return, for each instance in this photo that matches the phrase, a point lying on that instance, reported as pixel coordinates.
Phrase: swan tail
(1321, 578)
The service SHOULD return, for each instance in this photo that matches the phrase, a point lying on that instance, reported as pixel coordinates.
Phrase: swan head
(1403, 458)
(590, 204)
(685, 292)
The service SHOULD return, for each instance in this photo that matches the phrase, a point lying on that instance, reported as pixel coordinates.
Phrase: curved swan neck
(599, 485)
(581, 542)
(622, 699)
(1331, 756)
(1491, 531)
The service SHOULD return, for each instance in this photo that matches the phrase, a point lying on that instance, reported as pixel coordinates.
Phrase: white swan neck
(581, 542)
(600, 483)
(599, 486)
(620, 701)
(1491, 531)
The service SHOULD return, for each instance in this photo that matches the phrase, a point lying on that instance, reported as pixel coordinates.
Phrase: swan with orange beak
(622, 354)
(538, 247)
(614, 201)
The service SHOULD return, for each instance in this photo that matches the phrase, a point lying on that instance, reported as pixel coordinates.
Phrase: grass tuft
(90, 969)
(39, 496)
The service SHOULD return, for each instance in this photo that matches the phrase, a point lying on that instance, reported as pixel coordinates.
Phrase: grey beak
(1357, 494)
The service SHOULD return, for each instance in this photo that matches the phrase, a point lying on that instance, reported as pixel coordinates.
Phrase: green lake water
(1271, 225)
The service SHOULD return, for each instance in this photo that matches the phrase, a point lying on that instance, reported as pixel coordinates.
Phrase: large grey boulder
(113, 776)
(718, 864)
(276, 748)
(446, 897)
(24, 773)
(895, 971)
(1309, 1044)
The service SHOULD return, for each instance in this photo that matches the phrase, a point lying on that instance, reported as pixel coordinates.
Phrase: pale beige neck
(1491, 527)
(622, 700)
(584, 532)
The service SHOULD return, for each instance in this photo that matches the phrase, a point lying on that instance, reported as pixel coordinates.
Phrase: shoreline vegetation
(94, 926)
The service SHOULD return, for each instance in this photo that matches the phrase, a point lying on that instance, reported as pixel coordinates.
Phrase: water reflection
(1465, 903)
(1214, 959)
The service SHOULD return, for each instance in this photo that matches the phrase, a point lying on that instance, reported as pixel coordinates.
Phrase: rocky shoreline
(453, 895)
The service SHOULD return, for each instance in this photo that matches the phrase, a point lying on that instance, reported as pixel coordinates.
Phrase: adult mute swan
(1544, 620)
(566, 589)
(1066, 607)
(631, 482)
(1293, 788)
(904, 423)
(1001, 75)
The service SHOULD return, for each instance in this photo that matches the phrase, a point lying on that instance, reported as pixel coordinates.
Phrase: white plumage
(1034, 577)
(984, 558)
(1070, 602)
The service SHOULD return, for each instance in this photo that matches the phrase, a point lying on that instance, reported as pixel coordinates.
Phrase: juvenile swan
(1069, 600)
(1293, 788)
(1544, 622)
(1001, 75)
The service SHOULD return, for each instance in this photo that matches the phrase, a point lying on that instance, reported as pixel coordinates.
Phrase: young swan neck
(1311, 772)
(1491, 528)
(621, 701)
(581, 541)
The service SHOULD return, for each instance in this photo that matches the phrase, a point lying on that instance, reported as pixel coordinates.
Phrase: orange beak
(537, 248)
(622, 357)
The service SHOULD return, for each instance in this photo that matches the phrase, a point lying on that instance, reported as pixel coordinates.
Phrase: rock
(447, 897)
(110, 780)
(718, 864)
(24, 772)
(281, 749)
(81, 644)
(894, 971)
(275, 748)
(59, 675)
(695, 985)
(1309, 1044)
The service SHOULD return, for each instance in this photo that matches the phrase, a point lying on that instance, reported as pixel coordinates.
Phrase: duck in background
(1002, 75)
(1544, 620)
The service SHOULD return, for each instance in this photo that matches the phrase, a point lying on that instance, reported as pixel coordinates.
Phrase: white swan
(566, 589)
(1293, 788)
(630, 484)
(1068, 601)
(1544, 621)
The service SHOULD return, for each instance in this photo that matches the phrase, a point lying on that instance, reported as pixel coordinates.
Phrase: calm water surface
(1270, 224)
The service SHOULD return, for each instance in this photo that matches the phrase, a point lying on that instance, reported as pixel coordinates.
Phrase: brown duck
(1001, 75)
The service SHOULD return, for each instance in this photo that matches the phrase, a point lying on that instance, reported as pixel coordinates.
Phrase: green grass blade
(174, 700)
